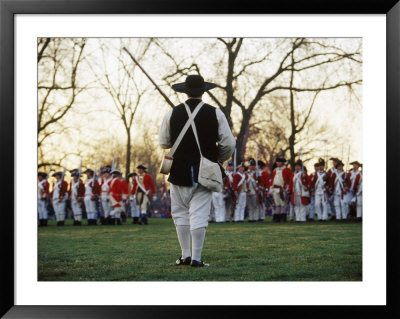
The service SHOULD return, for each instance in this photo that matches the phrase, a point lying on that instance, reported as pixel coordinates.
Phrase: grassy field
(236, 252)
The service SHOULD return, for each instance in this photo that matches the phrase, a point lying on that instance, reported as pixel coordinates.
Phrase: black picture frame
(8, 10)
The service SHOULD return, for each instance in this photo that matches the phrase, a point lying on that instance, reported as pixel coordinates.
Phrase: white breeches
(77, 210)
(90, 206)
(219, 206)
(277, 198)
(340, 207)
(291, 211)
(135, 212)
(190, 205)
(42, 210)
(321, 206)
(300, 210)
(59, 209)
(116, 212)
(252, 206)
(359, 206)
(240, 207)
(143, 206)
(106, 207)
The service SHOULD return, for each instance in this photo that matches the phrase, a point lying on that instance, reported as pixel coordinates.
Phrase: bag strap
(193, 128)
(185, 128)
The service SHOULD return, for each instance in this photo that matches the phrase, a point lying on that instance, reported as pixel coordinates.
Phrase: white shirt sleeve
(226, 141)
(164, 136)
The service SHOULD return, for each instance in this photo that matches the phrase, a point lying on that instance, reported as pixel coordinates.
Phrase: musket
(234, 161)
(113, 166)
(80, 168)
(148, 76)
(48, 174)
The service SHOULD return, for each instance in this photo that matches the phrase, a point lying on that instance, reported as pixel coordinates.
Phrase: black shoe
(359, 219)
(40, 222)
(118, 221)
(135, 220)
(183, 262)
(332, 218)
(310, 219)
(111, 221)
(143, 221)
(283, 218)
(45, 222)
(94, 222)
(196, 263)
(260, 220)
(276, 218)
(102, 220)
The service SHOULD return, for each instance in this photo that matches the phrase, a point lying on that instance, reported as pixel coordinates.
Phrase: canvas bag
(210, 175)
(166, 163)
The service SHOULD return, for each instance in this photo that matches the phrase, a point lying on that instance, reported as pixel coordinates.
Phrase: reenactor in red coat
(330, 172)
(240, 188)
(354, 184)
(299, 188)
(263, 188)
(228, 192)
(339, 187)
(143, 188)
(319, 185)
(135, 211)
(59, 197)
(92, 192)
(105, 187)
(116, 192)
(252, 201)
(281, 178)
(43, 193)
(76, 195)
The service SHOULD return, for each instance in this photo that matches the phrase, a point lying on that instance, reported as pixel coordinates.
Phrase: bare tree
(251, 81)
(58, 85)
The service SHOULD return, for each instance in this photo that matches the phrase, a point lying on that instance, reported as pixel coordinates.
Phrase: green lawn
(236, 252)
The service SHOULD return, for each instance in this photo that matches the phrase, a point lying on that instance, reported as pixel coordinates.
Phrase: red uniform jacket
(287, 175)
(236, 180)
(148, 185)
(264, 180)
(81, 189)
(332, 181)
(63, 190)
(116, 191)
(125, 187)
(227, 181)
(45, 192)
(96, 189)
(354, 187)
(306, 182)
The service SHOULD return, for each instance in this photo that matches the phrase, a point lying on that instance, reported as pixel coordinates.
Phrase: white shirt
(74, 189)
(319, 185)
(226, 141)
(89, 187)
(278, 179)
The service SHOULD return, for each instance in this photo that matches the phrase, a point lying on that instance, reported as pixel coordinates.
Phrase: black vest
(185, 166)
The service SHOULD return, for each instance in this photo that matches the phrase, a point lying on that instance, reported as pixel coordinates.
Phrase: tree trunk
(128, 154)
(292, 137)
(242, 137)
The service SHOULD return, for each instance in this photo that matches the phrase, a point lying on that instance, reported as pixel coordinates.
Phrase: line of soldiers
(105, 195)
(334, 193)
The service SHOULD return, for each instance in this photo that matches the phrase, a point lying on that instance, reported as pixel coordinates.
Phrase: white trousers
(76, 210)
(300, 210)
(277, 197)
(291, 211)
(42, 210)
(106, 207)
(59, 209)
(359, 206)
(240, 207)
(340, 207)
(116, 212)
(90, 206)
(190, 205)
(252, 206)
(145, 201)
(219, 207)
(321, 206)
(135, 212)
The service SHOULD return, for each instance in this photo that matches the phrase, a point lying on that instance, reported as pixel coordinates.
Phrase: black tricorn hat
(57, 174)
(193, 86)
(88, 171)
(340, 163)
(42, 174)
(355, 162)
(281, 160)
(298, 162)
(334, 159)
(260, 163)
(230, 163)
(141, 166)
(74, 172)
(252, 162)
(132, 174)
(105, 169)
(116, 171)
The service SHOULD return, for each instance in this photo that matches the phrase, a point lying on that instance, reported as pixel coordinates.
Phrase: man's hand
(92, 197)
(154, 198)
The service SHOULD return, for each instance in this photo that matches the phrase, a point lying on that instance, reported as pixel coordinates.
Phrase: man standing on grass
(240, 189)
(354, 183)
(190, 200)
(76, 195)
(59, 197)
(105, 187)
(338, 184)
(228, 192)
(92, 190)
(43, 193)
(281, 178)
(115, 191)
(331, 171)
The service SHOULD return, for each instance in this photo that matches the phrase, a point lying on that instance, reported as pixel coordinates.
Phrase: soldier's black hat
(252, 162)
(334, 159)
(261, 163)
(116, 171)
(321, 162)
(230, 163)
(298, 162)
(132, 174)
(89, 171)
(105, 169)
(317, 164)
(340, 163)
(42, 174)
(355, 162)
(194, 85)
(241, 164)
(57, 174)
(141, 166)
(75, 172)
(281, 160)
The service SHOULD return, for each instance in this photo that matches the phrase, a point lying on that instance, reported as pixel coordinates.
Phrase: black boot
(40, 222)
(118, 221)
(89, 222)
(102, 220)
(135, 220)
(94, 222)
(74, 223)
(277, 218)
(143, 220)
(283, 218)
(45, 222)
(112, 221)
